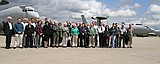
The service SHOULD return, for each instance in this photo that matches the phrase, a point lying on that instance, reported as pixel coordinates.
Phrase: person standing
(19, 29)
(51, 36)
(46, 32)
(65, 35)
(97, 36)
(92, 34)
(117, 40)
(74, 33)
(86, 36)
(8, 31)
(55, 35)
(59, 30)
(79, 35)
(123, 33)
(34, 36)
(69, 38)
(25, 23)
(39, 34)
(101, 30)
(83, 34)
(107, 36)
(113, 36)
(29, 31)
(130, 35)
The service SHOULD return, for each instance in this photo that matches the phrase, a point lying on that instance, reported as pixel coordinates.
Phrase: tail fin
(84, 19)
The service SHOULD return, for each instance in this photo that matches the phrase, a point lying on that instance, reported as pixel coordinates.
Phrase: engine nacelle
(3, 2)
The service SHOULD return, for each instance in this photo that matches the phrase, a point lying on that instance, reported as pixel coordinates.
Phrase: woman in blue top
(74, 33)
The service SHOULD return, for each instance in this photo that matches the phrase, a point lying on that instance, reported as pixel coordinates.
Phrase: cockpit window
(24, 10)
(35, 10)
(29, 10)
(149, 28)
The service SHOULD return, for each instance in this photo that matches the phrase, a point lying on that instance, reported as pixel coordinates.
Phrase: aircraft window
(30, 10)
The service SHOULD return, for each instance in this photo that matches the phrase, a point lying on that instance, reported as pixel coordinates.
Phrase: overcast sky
(139, 11)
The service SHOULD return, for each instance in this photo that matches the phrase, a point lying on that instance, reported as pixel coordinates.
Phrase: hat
(9, 17)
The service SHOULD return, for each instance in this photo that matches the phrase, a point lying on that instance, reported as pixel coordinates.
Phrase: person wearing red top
(39, 33)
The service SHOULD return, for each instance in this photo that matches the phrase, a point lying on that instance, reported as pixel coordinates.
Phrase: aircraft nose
(34, 15)
(37, 16)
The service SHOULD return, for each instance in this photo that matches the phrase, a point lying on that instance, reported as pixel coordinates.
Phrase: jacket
(6, 29)
(39, 29)
(18, 27)
(75, 31)
(46, 30)
(92, 31)
(29, 30)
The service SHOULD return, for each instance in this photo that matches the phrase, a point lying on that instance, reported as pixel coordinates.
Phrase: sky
(129, 11)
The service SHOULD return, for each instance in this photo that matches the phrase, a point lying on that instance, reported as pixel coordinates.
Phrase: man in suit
(8, 31)
(84, 36)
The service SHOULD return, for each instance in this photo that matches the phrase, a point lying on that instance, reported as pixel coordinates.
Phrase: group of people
(38, 33)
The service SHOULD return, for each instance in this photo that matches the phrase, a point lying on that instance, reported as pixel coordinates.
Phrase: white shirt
(34, 24)
(96, 27)
(101, 29)
(24, 25)
(10, 26)
(123, 30)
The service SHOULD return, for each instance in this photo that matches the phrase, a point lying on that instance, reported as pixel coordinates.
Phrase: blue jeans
(38, 37)
(113, 41)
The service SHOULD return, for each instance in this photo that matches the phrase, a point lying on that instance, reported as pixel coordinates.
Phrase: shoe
(14, 47)
(64, 46)
(45, 47)
(21, 47)
(7, 48)
(130, 46)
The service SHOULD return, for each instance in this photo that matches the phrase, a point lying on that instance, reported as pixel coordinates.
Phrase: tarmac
(145, 51)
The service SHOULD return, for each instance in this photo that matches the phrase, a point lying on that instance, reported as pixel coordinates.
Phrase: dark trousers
(8, 41)
(96, 40)
(101, 39)
(87, 41)
(78, 40)
(81, 43)
(122, 38)
(69, 43)
(84, 41)
(106, 44)
(117, 40)
(51, 40)
(29, 41)
(42, 43)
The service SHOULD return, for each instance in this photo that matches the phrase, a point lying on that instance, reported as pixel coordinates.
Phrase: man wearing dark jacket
(8, 31)
(29, 31)
(83, 36)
